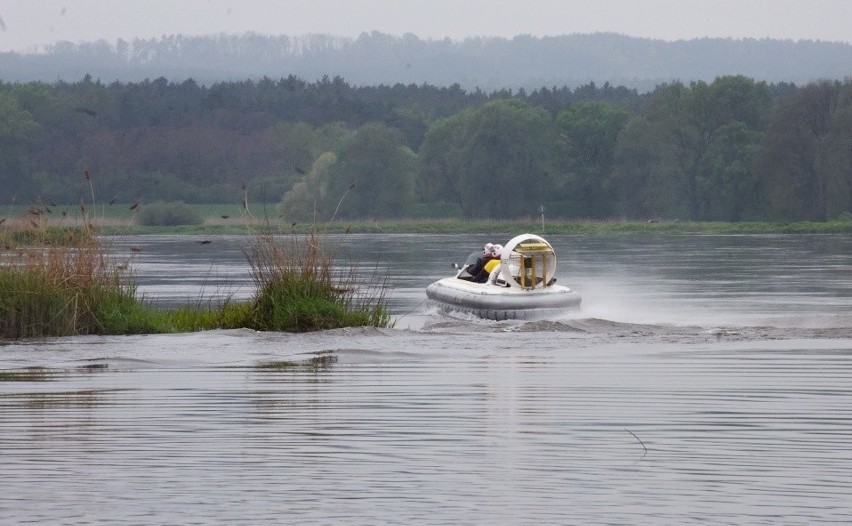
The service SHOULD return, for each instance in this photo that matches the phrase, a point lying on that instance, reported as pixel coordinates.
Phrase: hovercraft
(522, 286)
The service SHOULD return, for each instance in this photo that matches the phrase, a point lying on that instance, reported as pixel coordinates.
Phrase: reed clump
(62, 290)
(298, 288)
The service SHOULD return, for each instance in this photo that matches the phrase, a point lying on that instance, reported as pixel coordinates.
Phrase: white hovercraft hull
(496, 302)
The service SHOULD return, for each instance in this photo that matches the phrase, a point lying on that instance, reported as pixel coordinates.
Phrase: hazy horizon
(28, 25)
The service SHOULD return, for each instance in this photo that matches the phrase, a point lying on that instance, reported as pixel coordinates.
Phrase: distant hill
(487, 63)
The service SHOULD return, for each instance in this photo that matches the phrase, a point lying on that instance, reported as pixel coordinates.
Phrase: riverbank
(223, 219)
(520, 226)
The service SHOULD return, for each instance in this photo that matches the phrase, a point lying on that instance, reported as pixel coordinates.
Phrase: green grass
(229, 315)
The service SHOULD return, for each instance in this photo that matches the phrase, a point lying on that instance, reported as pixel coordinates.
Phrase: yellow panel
(533, 246)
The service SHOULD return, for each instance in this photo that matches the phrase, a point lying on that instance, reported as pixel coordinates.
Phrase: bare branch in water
(639, 439)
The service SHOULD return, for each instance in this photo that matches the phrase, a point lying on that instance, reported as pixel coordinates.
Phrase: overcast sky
(28, 23)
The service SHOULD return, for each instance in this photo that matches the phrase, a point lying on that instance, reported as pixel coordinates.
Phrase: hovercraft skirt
(502, 303)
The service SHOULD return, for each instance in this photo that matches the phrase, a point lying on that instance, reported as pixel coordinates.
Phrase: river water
(706, 380)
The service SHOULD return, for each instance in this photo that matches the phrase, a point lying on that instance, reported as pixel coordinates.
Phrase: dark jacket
(477, 270)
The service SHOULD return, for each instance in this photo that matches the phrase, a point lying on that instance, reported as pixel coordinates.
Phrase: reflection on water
(710, 383)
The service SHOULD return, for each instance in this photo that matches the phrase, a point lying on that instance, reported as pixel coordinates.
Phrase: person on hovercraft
(485, 263)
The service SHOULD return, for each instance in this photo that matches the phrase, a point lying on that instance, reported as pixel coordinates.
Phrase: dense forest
(487, 63)
(731, 149)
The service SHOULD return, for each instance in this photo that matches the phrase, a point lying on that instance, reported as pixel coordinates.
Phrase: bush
(168, 214)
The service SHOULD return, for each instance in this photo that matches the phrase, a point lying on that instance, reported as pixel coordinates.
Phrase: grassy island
(64, 282)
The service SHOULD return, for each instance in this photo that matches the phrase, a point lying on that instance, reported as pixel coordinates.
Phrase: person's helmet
(488, 249)
(496, 250)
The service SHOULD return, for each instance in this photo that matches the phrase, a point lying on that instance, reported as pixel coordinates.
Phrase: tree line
(490, 63)
(733, 149)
